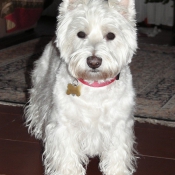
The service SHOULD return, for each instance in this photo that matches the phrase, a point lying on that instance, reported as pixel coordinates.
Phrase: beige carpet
(153, 69)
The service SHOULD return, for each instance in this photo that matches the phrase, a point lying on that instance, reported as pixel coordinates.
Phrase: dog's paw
(117, 173)
(115, 169)
(73, 170)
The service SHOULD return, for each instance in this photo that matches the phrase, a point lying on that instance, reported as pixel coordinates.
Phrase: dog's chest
(90, 107)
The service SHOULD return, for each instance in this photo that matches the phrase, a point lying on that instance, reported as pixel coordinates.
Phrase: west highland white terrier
(82, 99)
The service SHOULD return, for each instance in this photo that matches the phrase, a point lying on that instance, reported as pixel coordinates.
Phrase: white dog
(82, 99)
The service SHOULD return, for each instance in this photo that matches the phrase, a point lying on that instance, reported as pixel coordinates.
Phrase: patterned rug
(15, 66)
(153, 69)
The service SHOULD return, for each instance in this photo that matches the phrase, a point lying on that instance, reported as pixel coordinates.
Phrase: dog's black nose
(94, 62)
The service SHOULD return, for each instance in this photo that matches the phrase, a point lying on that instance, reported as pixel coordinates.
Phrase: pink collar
(96, 84)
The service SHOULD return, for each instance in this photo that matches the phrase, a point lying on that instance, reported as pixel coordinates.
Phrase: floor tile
(20, 158)
(12, 128)
(158, 141)
(155, 166)
(11, 109)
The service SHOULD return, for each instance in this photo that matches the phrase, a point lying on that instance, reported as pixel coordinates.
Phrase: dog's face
(96, 38)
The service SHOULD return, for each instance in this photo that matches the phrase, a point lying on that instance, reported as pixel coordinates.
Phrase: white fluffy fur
(100, 121)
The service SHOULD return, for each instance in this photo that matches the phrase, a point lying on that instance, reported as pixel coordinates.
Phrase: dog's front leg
(62, 155)
(117, 156)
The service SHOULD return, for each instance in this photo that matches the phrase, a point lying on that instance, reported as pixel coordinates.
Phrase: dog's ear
(127, 7)
(125, 3)
(68, 5)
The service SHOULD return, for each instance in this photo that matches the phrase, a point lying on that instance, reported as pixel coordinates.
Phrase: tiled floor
(21, 154)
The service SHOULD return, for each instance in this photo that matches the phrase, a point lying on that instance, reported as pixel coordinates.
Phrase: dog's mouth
(94, 71)
(93, 75)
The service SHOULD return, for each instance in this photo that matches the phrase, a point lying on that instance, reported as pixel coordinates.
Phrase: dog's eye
(110, 36)
(81, 34)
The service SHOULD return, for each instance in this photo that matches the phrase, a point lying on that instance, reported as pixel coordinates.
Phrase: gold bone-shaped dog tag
(73, 90)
